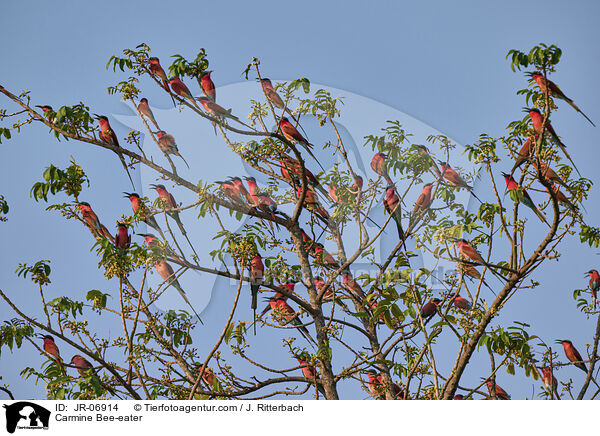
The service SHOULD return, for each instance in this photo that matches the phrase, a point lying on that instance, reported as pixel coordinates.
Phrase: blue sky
(442, 63)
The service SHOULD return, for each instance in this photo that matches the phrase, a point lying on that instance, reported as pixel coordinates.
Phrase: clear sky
(442, 63)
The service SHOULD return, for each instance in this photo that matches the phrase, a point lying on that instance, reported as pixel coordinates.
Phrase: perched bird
(168, 275)
(520, 195)
(471, 271)
(455, 180)
(459, 397)
(554, 91)
(256, 273)
(391, 203)
(357, 185)
(310, 373)
(167, 145)
(379, 165)
(311, 203)
(156, 69)
(122, 238)
(377, 388)
(594, 282)
(468, 251)
(500, 393)
(163, 250)
(182, 90)
(422, 204)
(323, 257)
(49, 113)
(425, 151)
(333, 193)
(271, 94)
(430, 308)
(107, 134)
(537, 120)
(549, 174)
(352, 286)
(253, 188)
(142, 211)
(286, 315)
(169, 205)
(293, 135)
(82, 364)
(524, 153)
(291, 170)
(562, 199)
(238, 185)
(215, 109)
(572, 354)
(207, 86)
(550, 382)
(462, 303)
(51, 348)
(91, 220)
(230, 192)
(144, 109)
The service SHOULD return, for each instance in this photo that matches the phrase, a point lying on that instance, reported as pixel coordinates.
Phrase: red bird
(293, 135)
(323, 257)
(462, 303)
(550, 382)
(166, 144)
(91, 220)
(352, 286)
(469, 251)
(455, 180)
(524, 153)
(377, 388)
(555, 91)
(51, 348)
(82, 364)
(122, 238)
(333, 193)
(379, 165)
(572, 354)
(157, 70)
(256, 273)
(594, 282)
(519, 194)
(391, 203)
(422, 204)
(107, 134)
(208, 87)
(182, 90)
(562, 199)
(310, 373)
(537, 120)
(500, 393)
(430, 308)
(271, 94)
(144, 109)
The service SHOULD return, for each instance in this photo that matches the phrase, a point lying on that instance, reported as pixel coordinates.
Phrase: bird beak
(153, 186)
(126, 195)
(526, 109)
(558, 341)
(97, 116)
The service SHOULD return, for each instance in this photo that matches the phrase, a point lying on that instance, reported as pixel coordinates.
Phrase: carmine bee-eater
(144, 109)
(91, 220)
(241, 189)
(167, 145)
(594, 283)
(311, 203)
(391, 203)
(293, 135)
(138, 205)
(169, 205)
(107, 134)
(379, 165)
(377, 389)
(267, 204)
(207, 86)
(271, 94)
(572, 353)
(49, 113)
(168, 275)
(310, 373)
(122, 238)
(430, 308)
(230, 192)
(156, 69)
(468, 251)
(554, 91)
(471, 271)
(562, 199)
(500, 393)
(51, 348)
(422, 204)
(520, 195)
(284, 314)
(549, 174)
(216, 110)
(455, 180)
(291, 170)
(323, 257)
(550, 382)
(357, 185)
(82, 364)
(524, 153)
(256, 274)
(182, 90)
(462, 303)
(333, 193)
(157, 246)
(537, 119)
(253, 188)
(352, 286)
